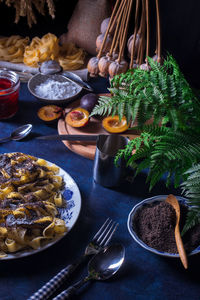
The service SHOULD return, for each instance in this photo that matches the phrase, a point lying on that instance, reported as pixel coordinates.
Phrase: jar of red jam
(9, 93)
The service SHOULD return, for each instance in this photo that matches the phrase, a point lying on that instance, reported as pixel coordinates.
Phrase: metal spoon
(51, 67)
(18, 134)
(101, 267)
(171, 199)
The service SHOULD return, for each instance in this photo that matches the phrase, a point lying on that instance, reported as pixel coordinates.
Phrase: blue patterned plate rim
(69, 214)
(139, 241)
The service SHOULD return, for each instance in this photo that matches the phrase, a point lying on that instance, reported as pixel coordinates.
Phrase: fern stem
(158, 32)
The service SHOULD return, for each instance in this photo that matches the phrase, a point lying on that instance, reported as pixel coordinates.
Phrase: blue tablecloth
(143, 275)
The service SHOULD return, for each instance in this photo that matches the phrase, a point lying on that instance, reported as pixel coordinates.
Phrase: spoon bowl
(50, 67)
(18, 134)
(101, 267)
(21, 132)
(107, 262)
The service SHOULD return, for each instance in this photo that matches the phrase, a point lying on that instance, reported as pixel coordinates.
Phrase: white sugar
(52, 89)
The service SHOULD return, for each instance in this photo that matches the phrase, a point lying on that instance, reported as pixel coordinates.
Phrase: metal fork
(100, 240)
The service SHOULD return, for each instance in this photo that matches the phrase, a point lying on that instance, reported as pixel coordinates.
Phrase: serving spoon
(101, 267)
(171, 199)
(18, 134)
(51, 67)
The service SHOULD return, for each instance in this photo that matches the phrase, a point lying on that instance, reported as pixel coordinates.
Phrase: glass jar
(9, 93)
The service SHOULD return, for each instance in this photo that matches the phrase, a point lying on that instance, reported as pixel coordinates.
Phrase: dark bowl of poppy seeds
(151, 223)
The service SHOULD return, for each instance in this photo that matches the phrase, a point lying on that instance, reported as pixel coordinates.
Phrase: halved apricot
(114, 124)
(77, 117)
(50, 113)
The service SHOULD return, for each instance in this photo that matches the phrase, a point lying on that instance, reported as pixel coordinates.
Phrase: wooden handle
(171, 199)
(180, 247)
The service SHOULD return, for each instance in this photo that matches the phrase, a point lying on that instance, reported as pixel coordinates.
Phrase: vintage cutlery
(101, 267)
(51, 67)
(100, 240)
(18, 134)
(171, 199)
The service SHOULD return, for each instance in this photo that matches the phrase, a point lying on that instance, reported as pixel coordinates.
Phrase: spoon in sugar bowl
(101, 267)
(52, 67)
(18, 134)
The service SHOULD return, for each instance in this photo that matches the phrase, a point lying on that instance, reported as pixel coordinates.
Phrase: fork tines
(105, 233)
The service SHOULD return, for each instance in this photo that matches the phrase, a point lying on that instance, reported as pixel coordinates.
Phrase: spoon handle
(6, 139)
(171, 199)
(180, 247)
(51, 286)
(70, 291)
(83, 84)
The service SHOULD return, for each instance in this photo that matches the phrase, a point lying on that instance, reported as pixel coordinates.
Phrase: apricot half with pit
(114, 124)
(50, 113)
(77, 117)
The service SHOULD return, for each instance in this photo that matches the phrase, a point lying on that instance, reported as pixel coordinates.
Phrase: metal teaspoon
(101, 267)
(18, 134)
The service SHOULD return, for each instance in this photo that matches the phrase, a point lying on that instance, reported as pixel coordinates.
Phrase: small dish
(138, 240)
(39, 79)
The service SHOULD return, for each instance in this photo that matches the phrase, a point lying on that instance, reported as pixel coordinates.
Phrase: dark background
(180, 27)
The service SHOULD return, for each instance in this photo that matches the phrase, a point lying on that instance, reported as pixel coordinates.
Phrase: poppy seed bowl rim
(139, 241)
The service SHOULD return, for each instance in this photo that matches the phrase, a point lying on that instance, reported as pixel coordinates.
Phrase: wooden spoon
(171, 199)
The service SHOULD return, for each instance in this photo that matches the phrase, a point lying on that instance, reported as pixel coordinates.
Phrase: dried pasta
(71, 57)
(30, 194)
(18, 49)
(40, 50)
(12, 48)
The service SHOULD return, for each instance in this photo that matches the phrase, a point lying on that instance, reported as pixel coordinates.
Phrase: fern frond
(104, 106)
(166, 151)
(193, 218)
(161, 94)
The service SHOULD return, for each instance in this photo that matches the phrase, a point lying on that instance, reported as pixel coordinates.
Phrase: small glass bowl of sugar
(54, 89)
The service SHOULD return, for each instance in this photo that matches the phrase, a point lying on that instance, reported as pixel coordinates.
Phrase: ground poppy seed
(154, 224)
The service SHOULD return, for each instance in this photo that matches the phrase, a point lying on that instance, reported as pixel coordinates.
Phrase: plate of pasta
(39, 204)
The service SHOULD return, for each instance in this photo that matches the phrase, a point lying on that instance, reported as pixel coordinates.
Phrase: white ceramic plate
(69, 214)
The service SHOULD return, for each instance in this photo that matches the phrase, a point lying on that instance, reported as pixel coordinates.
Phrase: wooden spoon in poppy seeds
(171, 199)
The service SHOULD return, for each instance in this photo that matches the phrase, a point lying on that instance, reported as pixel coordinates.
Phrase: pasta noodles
(30, 194)
(41, 50)
(12, 48)
(17, 49)
(70, 57)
